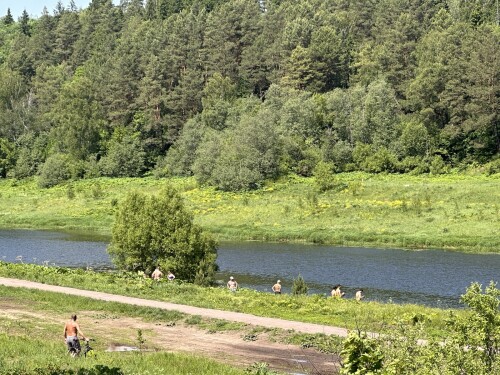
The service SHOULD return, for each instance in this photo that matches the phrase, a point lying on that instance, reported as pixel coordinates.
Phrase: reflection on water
(431, 277)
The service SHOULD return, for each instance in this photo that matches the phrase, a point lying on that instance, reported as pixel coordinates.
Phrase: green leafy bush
(299, 286)
(158, 230)
(55, 170)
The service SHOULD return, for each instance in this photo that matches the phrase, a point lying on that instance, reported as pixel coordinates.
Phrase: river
(429, 277)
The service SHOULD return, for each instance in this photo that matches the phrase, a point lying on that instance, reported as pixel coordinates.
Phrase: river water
(429, 277)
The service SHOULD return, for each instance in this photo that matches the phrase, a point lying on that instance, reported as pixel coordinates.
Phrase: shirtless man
(336, 292)
(359, 295)
(157, 274)
(277, 287)
(71, 331)
(232, 285)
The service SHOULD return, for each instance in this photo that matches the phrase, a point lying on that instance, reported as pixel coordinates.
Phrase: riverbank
(318, 309)
(458, 212)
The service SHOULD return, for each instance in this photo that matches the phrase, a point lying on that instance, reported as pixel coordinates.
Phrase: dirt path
(227, 346)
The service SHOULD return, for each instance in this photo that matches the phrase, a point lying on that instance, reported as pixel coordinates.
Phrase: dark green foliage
(299, 286)
(125, 157)
(24, 23)
(408, 79)
(8, 19)
(55, 170)
(158, 230)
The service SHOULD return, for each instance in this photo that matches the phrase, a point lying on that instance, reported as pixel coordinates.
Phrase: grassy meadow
(459, 212)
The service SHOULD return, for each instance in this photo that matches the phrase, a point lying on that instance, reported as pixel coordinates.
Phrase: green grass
(32, 345)
(370, 316)
(38, 355)
(459, 212)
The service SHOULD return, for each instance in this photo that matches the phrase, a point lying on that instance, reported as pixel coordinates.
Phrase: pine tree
(8, 19)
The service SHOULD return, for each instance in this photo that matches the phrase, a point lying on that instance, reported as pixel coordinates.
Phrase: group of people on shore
(158, 275)
(336, 292)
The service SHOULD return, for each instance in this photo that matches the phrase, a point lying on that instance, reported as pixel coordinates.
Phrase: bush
(437, 165)
(125, 158)
(31, 155)
(55, 170)
(299, 286)
(472, 344)
(158, 230)
(493, 167)
(382, 160)
(324, 176)
(182, 155)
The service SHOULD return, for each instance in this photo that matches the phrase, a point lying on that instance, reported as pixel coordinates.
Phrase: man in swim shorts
(71, 331)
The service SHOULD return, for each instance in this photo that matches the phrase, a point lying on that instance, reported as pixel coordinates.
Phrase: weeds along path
(190, 310)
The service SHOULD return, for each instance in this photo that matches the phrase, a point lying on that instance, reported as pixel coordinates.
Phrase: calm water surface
(430, 277)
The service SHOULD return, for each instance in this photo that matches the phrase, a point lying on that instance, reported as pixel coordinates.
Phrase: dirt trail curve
(191, 310)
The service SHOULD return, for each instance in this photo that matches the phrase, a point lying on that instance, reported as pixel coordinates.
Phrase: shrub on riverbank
(472, 345)
(445, 211)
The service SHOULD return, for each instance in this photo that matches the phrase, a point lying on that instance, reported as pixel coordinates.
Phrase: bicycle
(76, 350)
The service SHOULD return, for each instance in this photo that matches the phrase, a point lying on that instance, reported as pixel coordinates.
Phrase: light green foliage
(151, 230)
(312, 308)
(299, 286)
(361, 355)
(6, 157)
(414, 139)
(470, 346)
(181, 156)
(374, 210)
(324, 176)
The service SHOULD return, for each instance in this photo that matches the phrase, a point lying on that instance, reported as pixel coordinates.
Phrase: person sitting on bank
(277, 287)
(170, 276)
(157, 274)
(232, 285)
(359, 295)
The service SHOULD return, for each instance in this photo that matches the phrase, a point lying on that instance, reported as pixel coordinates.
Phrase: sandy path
(191, 310)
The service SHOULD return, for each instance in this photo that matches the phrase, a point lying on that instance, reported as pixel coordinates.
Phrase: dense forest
(236, 92)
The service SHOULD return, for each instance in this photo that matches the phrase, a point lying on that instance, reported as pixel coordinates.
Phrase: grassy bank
(370, 316)
(452, 211)
(33, 345)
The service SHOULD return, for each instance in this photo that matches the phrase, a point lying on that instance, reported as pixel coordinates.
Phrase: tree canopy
(229, 81)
